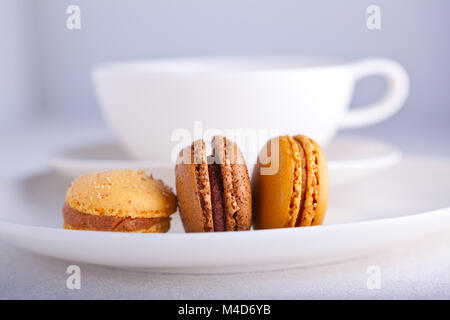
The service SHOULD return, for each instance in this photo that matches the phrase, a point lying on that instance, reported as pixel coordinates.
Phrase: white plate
(349, 159)
(400, 203)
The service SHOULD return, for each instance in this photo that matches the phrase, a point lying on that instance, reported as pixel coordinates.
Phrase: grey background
(46, 67)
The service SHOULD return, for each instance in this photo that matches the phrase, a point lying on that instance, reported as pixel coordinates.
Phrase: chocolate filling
(84, 221)
(217, 196)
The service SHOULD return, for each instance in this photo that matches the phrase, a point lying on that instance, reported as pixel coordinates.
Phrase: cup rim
(219, 65)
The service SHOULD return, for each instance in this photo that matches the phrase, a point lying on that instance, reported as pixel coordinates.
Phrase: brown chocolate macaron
(290, 189)
(213, 192)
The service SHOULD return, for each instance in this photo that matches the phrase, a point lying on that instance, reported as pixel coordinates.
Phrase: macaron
(214, 192)
(290, 184)
(119, 200)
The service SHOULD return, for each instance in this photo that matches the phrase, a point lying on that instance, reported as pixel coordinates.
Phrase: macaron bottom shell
(157, 228)
(76, 220)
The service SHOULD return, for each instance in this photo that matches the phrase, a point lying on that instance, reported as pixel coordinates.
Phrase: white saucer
(404, 201)
(349, 159)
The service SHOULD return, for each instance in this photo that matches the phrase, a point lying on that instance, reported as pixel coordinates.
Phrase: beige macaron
(290, 184)
(119, 200)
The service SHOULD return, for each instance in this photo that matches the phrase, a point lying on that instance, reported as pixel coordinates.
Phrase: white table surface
(417, 269)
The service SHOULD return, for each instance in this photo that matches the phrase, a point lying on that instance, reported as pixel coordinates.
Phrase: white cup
(145, 102)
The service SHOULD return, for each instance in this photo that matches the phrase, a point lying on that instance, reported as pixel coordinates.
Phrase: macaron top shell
(296, 193)
(193, 188)
(121, 193)
(272, 193)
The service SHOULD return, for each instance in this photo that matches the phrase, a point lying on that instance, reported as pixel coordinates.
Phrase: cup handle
(395, 96)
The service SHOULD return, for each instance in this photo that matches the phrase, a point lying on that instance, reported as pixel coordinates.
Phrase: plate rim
(436, 212)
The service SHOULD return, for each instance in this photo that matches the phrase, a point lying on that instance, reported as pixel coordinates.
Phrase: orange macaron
(294, 193)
